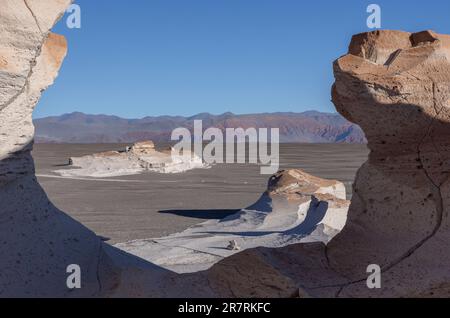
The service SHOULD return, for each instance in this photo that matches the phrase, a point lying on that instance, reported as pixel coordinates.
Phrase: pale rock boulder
(296, 208)
(289, 188)
(143, 147)
(138, 158)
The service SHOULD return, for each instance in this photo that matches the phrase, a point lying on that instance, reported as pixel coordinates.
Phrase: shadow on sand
(202, 214)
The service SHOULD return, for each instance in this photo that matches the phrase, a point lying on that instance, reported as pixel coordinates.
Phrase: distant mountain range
(307, 127)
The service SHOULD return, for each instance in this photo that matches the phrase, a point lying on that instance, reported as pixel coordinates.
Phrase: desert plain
(150, 205)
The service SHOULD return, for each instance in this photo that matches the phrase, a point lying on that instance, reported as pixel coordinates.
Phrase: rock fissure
(98, 267)
(436, 190)
(34, 16)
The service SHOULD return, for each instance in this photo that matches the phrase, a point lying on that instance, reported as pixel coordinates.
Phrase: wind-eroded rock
(396, 86)
(140, 157)
(38, 241)
(296, 208)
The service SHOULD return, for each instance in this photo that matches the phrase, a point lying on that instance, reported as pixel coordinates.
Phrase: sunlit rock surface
(296, 208)
(139, 158)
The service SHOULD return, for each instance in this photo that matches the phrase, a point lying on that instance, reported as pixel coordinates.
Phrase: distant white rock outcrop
(296, 208)
(139, 158)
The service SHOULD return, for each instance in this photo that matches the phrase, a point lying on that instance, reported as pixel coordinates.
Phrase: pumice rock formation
(139, 158)
(296, 208)
(32, 232)
(394, 84)
(38, 241)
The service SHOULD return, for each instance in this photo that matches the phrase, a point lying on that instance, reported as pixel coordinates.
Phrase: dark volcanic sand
(154, 205)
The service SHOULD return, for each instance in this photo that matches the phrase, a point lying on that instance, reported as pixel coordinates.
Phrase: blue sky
(141, 58)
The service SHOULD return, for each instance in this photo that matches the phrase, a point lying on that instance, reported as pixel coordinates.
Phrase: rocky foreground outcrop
(35, 236)
(138, 158)
(296, 208)
(395, 85)
(38, 241)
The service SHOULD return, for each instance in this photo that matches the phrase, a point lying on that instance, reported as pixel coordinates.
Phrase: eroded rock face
(29, 61)
(38, 241)
(396, 86)
(35, 236)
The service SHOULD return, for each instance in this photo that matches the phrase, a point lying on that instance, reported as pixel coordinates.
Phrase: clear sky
(139, 58)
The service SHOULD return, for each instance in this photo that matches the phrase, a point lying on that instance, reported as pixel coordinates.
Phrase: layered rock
(138, 158)
(296, 208)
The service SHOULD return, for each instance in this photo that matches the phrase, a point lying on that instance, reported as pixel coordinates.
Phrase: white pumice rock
(139, 158)
(296, 208)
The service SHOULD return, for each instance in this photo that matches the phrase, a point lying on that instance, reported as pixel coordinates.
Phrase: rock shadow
(217, 214)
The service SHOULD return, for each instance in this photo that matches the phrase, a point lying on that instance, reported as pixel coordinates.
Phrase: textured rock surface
(29, 62)
(296, 208)
(396, 86)
(39, 241)
(34, 233)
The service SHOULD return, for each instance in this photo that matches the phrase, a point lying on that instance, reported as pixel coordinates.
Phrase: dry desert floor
(152, 205)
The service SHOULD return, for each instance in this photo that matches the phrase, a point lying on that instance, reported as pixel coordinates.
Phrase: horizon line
(188, 116)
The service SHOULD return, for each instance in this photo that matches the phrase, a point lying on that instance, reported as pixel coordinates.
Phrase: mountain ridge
(305, 127)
